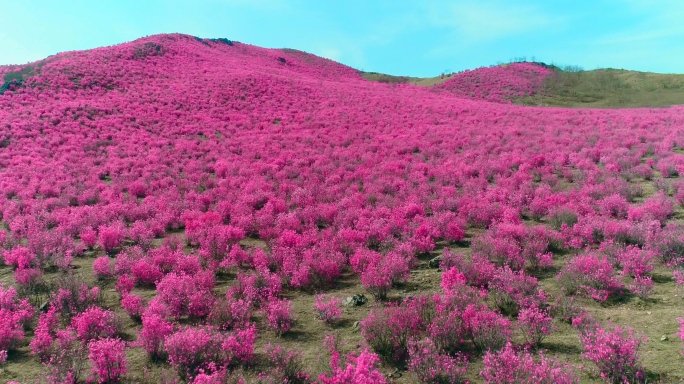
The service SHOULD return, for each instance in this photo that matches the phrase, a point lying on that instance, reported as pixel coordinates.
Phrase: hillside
(537, 84)
(608, 88)
(185, 202)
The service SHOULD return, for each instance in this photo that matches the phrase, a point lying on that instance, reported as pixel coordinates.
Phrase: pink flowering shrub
(615, 353)
(513, 290)
(360, 368)
(642, 286)
(21, 309)
(287, 365)
(510, 367)
(635, 261)
(187, 295)
(589, 274)
(146, 273)
(20, 258)
(133, 305)
(102, 267)
(388, 330)
(195, 350)
(94, 323)
(487, 330)
(230, 313)
(111, 236)
(431, 366)
(11, 330)
(477, 270)
(279, 315)
(681, 330)
(108, 359)
(45, 334)
(124, 285)
(73, 297)
(67, 361)
(535, 324)
(379, 273)
(89, 237)
(659, 207)
(154, 331)
(327, 308)
(256, 288)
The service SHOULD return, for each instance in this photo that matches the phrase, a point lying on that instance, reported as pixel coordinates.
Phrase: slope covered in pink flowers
(180, 205)
(501, 83)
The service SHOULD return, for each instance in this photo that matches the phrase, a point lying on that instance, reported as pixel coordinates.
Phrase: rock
(434, 262)
(355, 301)
(356, 325)
(663, 338)
(648, 312)
(394, 375)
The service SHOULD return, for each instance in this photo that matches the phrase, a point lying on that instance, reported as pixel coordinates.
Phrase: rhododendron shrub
(642, 286)
(615, 353)
(94, 323)
(279, 315)
(187, 295)
(102, 267)
(68, 359)
(146, 273)
(379, 273)
(388, 330)
(111, 236)
(11, 331)
(230, 313)
(513, 290)
(73, 296)
(487, 330)
(133, 305)
(195, 350)
(681, 330)
(535, 324)
(591, 275)
(431, 366)
(510, 366)
(360, 368)
(287, 365)
(155, 329)
(477, 270)
(635, 262)
(256, 288)
(108, 359)
(327, 308)
(20, 258)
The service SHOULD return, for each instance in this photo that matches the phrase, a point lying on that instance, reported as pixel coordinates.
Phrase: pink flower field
(186, 210)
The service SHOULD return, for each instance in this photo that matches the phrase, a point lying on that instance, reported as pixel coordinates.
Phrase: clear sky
(399, 37)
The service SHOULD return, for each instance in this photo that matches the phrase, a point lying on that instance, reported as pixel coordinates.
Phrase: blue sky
(400, 37)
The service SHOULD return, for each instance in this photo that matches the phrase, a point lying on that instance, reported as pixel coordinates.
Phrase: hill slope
(210, 185)
(537, 84)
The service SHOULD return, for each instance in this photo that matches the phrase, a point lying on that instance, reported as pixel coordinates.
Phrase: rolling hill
(208, 211)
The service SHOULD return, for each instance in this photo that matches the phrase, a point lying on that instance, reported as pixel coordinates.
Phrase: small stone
(356, 300)
(663, 338)
(434, 263)
(648, 312)
(356, 325)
